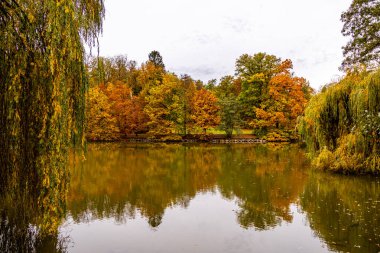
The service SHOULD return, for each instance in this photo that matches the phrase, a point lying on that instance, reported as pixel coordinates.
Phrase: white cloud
(203, 38)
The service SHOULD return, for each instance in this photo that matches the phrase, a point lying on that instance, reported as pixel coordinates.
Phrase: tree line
(264, 96)
(341, 125)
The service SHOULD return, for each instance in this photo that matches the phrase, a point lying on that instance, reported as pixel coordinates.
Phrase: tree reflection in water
(122, 181)
(344, 211)
(27, 223)
(118, 180)
(266, 180)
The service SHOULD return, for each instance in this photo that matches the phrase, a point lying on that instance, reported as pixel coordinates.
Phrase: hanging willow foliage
(341, 125)
(42, 89)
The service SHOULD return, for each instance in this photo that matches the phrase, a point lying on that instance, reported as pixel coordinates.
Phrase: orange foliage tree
(128, 109)
(206, 111)
(285, 101)
(264, 95)
(135, 119)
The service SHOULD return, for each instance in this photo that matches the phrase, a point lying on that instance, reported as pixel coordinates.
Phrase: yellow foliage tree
(149, 76)
(163, 105)
(101, 124)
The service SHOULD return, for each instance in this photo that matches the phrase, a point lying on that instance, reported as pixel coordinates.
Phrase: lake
(213, 198)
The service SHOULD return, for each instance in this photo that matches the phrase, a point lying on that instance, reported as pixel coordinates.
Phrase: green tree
(229, 115)
(255, 73)
(156, 58)
(186, 93)
(132, 77)
(199, 84)
(211, 84)
(254, 92)
(362, 24)
(99, 70)
(247, 65)
(227, 86)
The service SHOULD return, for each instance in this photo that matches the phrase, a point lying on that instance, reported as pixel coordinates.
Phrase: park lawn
(218, 131)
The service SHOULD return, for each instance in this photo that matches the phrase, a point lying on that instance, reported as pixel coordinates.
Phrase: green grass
(218, 131)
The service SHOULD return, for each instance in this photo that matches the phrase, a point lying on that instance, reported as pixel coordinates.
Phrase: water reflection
(344, 211)
(266, 180)
(249, 192)
(27, 224)
(120, 181)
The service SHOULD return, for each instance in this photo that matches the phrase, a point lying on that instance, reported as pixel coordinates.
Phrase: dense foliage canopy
(362, 24)
(42, 92)
(341, 125)
(268, 97)
(264, 96)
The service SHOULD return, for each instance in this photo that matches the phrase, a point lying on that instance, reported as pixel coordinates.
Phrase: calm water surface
(212, 198)
(216, 198)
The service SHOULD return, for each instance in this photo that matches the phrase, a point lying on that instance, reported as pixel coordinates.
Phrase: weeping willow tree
(341, 125)
(42, 92)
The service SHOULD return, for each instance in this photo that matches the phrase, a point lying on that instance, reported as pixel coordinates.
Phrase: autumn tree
(285, 102)
(134, 119)
(206, 111)
(270, 97)
(101, 123)
(163, 105)
(149, 76)
(169, 104)
(128, 109)
(362, 25)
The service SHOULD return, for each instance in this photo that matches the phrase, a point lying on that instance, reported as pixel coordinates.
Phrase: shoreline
(195, 138)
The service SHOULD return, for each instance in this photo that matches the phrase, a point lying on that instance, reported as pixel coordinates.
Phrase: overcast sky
(203, 38)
